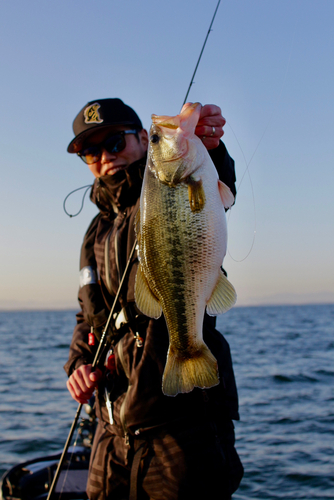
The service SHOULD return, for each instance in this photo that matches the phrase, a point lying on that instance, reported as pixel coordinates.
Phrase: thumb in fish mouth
(189, 117)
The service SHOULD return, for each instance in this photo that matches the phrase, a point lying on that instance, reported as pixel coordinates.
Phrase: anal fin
(223, 296)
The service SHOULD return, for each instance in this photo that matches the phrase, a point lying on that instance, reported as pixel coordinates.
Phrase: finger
(185, 106)
(77, 388)
(95, 376)
(209, 131)
(80, 378)
(82, 400)
(80, 382)
(211, 115)
(210, 110)
(79, 395)
(76, 392)
(70, 389)
(212, 121)
(84, 372)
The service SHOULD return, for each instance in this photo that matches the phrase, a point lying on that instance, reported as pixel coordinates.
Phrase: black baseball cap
(100, 114)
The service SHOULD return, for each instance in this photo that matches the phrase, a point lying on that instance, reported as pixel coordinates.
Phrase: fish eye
(155, 138)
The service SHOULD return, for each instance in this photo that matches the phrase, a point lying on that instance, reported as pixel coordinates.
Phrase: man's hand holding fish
(210, 124)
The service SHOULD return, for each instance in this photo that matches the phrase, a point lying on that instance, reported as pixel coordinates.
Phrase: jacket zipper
(107, 255)
(122, 409)
(106, 261)
(117, 256)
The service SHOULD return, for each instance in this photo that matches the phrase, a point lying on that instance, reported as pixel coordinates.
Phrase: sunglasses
(113, 144)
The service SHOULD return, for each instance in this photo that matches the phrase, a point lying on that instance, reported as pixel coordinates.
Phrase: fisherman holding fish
(164, 429)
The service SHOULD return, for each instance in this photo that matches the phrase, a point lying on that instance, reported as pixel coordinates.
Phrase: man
(147, 445)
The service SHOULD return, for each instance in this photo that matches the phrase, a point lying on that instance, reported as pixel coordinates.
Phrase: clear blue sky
(267, 64)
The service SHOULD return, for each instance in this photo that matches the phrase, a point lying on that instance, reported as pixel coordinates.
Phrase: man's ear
(143, 136)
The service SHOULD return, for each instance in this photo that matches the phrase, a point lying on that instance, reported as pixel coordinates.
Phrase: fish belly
(181, 254)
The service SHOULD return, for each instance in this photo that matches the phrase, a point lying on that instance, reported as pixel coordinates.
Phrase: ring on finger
(213, 132)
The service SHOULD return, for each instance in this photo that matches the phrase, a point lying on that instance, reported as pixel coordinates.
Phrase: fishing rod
(102, 343)
(96, 361)
(200, 56)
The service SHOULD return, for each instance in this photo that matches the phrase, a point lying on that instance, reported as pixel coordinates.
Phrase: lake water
(284, 365)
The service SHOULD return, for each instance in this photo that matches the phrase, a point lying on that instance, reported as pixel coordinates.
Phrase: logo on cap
(91, 114)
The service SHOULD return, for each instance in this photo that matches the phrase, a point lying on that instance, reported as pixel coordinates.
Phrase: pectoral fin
(196, 194)
(226, 194)
(145, 300)
(223, 297)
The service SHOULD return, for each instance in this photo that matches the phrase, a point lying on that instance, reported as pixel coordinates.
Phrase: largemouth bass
(182, 236)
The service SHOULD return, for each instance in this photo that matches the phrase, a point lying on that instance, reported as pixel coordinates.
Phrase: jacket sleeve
(80, 352)
(224, 165)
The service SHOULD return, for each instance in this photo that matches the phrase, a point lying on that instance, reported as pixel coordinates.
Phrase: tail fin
(183, 374)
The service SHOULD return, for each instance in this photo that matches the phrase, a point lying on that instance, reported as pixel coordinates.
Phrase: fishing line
(200, 56)
(82, 202)
(247, 163)
(253, 196)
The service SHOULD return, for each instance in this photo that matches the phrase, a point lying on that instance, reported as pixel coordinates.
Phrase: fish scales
(181, 249)
(174, 274)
